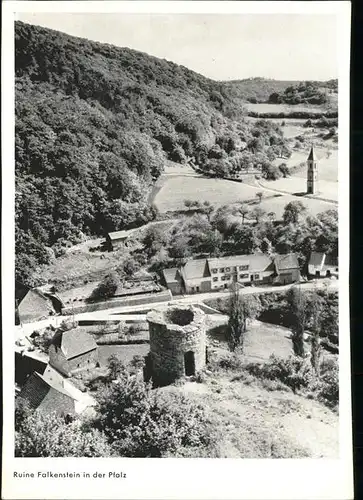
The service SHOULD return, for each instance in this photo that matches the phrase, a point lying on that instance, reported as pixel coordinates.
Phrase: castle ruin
(177, 343)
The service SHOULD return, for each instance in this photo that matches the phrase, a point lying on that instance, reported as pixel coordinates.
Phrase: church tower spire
(312, 179)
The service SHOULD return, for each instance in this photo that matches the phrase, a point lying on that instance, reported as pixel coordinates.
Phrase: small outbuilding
(322, 265)
(116, 239)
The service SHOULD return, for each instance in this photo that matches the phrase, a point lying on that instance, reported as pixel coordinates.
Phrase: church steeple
(312, 178)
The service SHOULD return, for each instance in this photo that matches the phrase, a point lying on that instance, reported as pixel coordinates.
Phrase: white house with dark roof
(322, 265)
(204, 275)
(243, 269)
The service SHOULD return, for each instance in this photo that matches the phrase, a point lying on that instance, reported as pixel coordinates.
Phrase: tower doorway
(189, 363)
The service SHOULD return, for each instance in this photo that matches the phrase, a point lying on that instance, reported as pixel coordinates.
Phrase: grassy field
(259, 418)
(220, 192)
(283, 108)
(79, 268)
(250, 421)
(327, 175)
(327, 167)
(124, 353)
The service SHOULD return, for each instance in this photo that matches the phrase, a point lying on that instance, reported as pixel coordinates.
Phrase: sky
(222, 47)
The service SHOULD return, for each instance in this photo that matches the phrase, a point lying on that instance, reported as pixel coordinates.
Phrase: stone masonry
(177, 343)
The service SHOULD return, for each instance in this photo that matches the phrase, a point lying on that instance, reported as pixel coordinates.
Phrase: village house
(322, 265)
(72, 351)
(34, 304)
(47, 396)
(50, 392)
(204, 275)
(287, 269)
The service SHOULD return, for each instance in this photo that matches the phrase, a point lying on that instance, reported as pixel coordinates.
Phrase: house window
(214, 271)
(228, 269)
(222, 269)
(243, 268)
(257, 276)
(215, 279)
(243, 276)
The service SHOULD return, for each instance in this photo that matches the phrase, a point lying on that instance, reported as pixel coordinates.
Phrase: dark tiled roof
(312, 155)
(74, 342)
(37, 387)
(171, 275)
(316, 258)
(34, 390)
(288, 261)
(196, 269)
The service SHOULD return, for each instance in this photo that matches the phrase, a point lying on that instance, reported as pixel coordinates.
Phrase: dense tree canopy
(94, 126)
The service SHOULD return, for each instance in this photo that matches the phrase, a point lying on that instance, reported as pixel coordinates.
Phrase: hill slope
(260, 90)
(94, 125)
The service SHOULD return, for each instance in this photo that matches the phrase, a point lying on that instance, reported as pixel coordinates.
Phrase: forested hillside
(94, 125)
(305, 92)
(260, 90)
(256, 89)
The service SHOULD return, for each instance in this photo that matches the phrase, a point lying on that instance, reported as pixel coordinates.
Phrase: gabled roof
(37, 387)
(171, 275)
(316, 259)
(257, 262)
(195, 269)
(312, 155)
(288, 261)
(74, 342)
(119, 235)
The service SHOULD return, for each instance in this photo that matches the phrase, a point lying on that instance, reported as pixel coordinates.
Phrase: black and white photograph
(179, 272)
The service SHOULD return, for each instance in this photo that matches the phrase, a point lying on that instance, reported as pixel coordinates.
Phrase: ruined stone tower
(312, 179)
(177, 343)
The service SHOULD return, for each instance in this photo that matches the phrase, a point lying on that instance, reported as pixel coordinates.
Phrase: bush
(141, 422)
(106, 289)
(231, 362)
(294, 371)
(327, 389)
(38, 435)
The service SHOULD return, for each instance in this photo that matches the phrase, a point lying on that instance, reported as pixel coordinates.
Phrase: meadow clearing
(291, 127)
(327, 175)
(283, 108)
(219, 192)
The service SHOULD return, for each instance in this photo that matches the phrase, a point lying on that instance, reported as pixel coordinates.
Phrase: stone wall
(177, 343)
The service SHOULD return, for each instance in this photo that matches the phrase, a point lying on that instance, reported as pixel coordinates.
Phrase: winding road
(138, 312)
